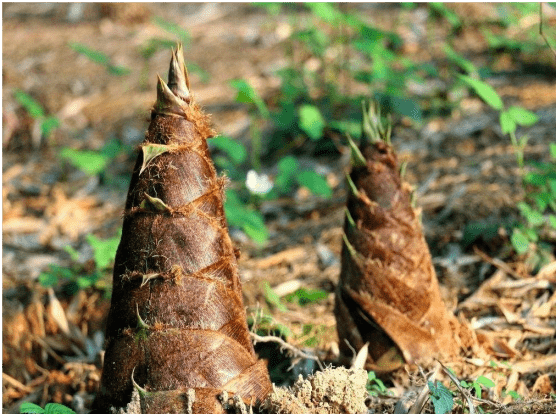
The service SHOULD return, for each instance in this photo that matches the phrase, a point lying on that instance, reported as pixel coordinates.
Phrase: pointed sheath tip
(166, 100)
(178, 79)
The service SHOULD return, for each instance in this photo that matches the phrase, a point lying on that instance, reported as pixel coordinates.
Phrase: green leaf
(459, 60)
(519, 241)
(104, 249)
(117, 70)
(271, 7)
(351, 127)
(532, 216)
(287, 167)
(315, 183)
(272, 298)
(234, 149)
(174, 29)
(552, 186)
(30, 408)
(552, 220)
(485, 91)
(311, 121)
(448, 14)
(507, 123)
(239, 215)
(74, 254)
(194, 68)
(246, 94)
(441, 398)
(31, 106)
(48, 279)
(49, 124)
(306, 296)
(326, 11)
(486, 382)
(93, 55)
(90, 162)
(522, 116)
(553, 150)
(54, 408)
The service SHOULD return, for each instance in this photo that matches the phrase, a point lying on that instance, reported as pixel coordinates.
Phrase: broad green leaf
(31, 106)
(30, 408)
(239, 215)
(486, 382)
(536, 179)
(485, 91)
(553, 150)
(246, 94)
(326, 11)
(353, 128)
(311, 121)
(288, 164)
(54, 408)
(315, 183)
(253, 225)
(151, 151)
(48, 279)
(234, 149)
(90, 162)
(287, 167)
(532, 216)
(49, 124)
(441, 397)
(522, 116)
(552, 220)
(552, 186)
(104, 249)
(507, 123)
(519, 241)
(306, 296)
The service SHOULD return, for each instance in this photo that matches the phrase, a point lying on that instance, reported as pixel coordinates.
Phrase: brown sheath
(177, 321)
(388, 293)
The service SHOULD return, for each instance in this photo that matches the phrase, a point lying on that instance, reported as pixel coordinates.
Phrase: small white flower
(258, 184)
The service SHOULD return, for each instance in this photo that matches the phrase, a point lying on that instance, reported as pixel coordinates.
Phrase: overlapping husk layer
(388, 293)
(177, 331)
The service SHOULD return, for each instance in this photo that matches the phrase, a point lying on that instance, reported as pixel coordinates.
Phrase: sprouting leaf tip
(372, 128)
(357, 158)
(178, 79)
(166, 100)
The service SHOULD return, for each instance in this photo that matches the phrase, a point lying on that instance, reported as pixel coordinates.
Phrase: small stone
(326, 256)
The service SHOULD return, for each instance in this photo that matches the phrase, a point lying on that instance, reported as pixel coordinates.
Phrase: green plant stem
(518, 149)
(256, 142)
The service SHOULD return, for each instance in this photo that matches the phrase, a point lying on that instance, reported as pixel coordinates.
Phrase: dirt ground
(462, 167)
